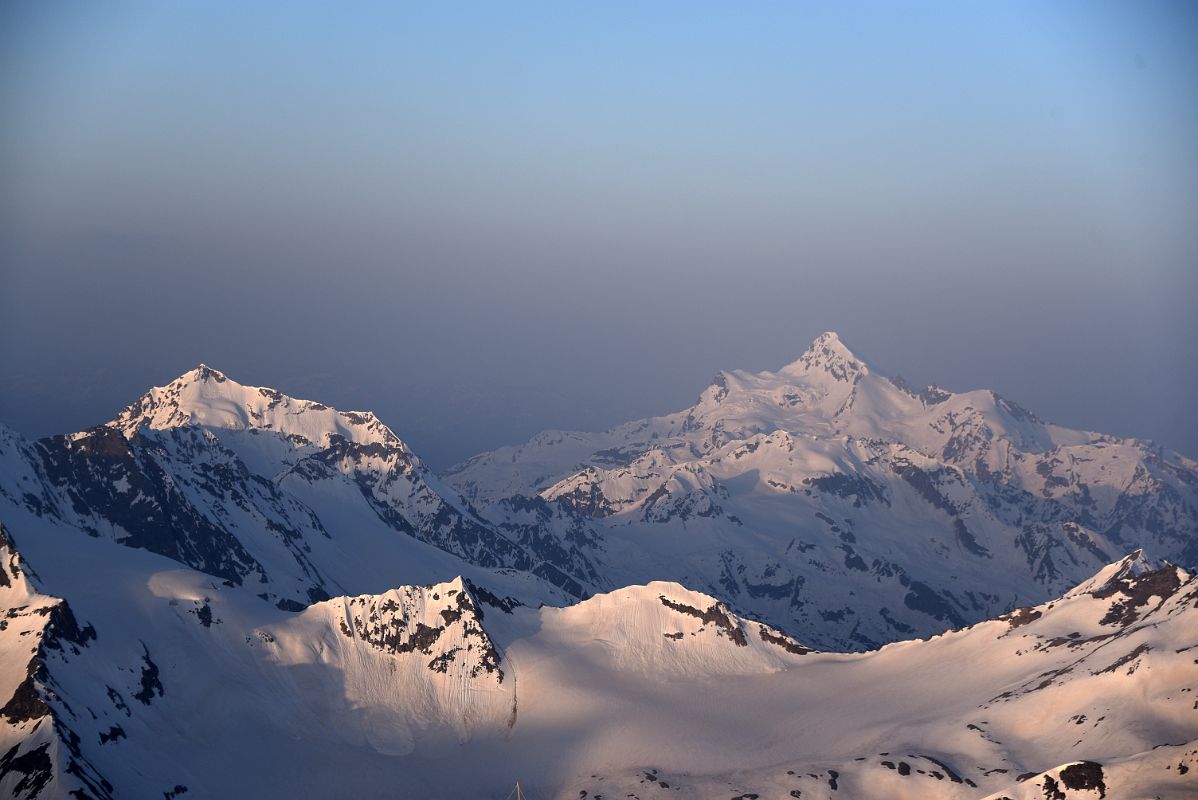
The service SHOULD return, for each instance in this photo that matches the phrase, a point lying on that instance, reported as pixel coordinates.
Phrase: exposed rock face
(716, 616)
(120, 485)
(443, 621)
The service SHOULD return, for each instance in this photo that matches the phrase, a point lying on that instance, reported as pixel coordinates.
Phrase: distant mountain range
(229, 591)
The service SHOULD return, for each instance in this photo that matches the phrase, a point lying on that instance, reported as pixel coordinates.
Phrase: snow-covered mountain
(835, 502)
(154, 679)
(294, 498)
(225, 591)
(824, 499)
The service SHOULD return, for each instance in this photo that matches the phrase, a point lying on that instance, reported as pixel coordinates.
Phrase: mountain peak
(205, 396)
(829, 342)
(202, 373)
(828, 354)
(1127, 571)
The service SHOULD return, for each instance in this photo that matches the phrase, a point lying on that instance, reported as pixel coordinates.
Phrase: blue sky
(484, 219)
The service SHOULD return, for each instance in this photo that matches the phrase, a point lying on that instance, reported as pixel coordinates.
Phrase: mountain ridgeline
(817, 582)
(291, 497)
(825, 499)
(844, 506)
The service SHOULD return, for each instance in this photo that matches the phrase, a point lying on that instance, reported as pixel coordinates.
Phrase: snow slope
(166, 679)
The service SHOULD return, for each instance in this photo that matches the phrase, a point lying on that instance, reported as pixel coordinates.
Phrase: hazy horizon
(480, 224)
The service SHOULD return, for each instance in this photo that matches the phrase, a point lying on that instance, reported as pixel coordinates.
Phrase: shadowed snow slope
(157, 676)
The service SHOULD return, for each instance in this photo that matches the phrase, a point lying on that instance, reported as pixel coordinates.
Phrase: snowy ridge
(458, 690)
(1074, 681)
(291, 496)
(204, 396)
(665, 629)
(831, 500)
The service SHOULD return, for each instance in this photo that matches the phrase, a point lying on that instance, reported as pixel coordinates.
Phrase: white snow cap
(827, 353)
(206, 396)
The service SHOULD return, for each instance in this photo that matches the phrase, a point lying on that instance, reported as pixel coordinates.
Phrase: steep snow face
(37, 633)
(457, 690)
(291, 496)
(828, 499)
(428, 640)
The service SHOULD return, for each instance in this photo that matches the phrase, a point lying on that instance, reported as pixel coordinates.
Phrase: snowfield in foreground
(152, 679)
